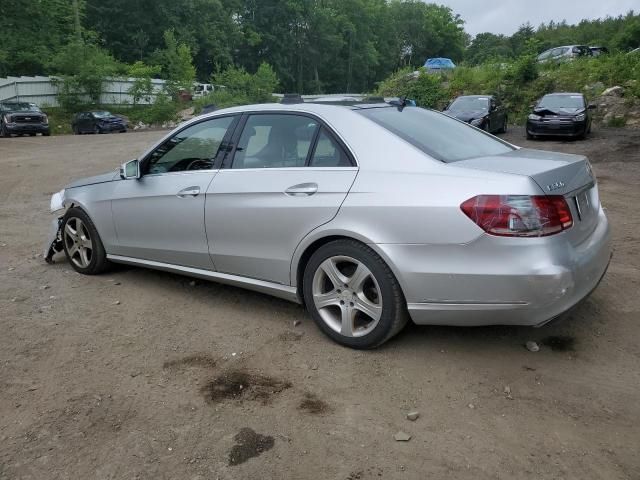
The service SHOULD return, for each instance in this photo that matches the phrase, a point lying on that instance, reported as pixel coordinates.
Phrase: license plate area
(583, 204)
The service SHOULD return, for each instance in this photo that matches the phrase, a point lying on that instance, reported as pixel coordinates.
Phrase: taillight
(519, 215)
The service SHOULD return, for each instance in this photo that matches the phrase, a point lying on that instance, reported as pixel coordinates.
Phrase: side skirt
(275, 289)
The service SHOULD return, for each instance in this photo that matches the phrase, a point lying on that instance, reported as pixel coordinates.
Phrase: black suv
(483, 111)
(18, 118)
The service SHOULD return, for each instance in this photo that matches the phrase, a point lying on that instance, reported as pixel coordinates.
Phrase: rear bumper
(499, 281)
(563, 129)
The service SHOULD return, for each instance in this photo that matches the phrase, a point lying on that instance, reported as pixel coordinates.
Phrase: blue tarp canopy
(439, 63)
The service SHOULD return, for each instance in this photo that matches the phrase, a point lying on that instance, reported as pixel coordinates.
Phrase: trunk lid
(556, 174)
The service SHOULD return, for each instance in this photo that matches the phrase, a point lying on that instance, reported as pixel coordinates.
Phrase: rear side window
(328, 153)
(275, 141)
(436, 134)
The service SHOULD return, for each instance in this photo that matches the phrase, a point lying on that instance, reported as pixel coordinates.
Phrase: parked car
(367, 214)
(597, 51)
(560, 114)
(483, 111)
(18, 118)
(567, 52)
(202, 89)
(97, 121)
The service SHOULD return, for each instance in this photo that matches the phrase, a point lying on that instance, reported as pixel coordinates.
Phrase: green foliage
(519, 83)
(617, 122)
(426, 89)
(257, 87)
(620, 33)
(176, 64)
(235, 86)
(31, 32)
(142, 88)
(82, 69)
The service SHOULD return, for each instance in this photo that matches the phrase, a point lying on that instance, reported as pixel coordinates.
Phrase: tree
(82, 69)
(176, 65)
(142, 88)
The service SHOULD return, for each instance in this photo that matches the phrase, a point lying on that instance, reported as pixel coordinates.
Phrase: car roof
(475, 96)
(563, 94)
(316, 108)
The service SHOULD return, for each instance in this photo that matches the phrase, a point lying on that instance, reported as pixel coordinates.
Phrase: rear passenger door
(287, 175)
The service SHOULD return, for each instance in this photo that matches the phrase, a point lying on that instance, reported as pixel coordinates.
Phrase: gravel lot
(194, 380)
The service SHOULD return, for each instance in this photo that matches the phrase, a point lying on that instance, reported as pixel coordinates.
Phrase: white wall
(43, 91)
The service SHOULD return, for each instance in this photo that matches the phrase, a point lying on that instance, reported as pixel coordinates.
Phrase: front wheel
(352, 295)
(82, 244)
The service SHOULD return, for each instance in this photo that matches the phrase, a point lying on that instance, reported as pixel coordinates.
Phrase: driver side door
(160, 216)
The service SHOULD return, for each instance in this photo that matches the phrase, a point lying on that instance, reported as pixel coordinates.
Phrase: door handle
(302, 189)
(189, 192)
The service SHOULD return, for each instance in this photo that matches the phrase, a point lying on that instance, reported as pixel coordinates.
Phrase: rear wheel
(82, 245)
(503, 129)
(352, 295)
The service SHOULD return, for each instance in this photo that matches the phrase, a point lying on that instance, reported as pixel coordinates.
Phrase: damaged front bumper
(54, 238)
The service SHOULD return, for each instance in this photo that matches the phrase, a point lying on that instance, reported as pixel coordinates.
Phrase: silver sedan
(369, 215)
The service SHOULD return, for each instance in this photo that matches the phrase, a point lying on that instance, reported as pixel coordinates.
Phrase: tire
(46, 134)
(503, 129)
(4, 133)
(531, 137)
(85, 238)
(76, 130)
(96, 130)
(330, 276)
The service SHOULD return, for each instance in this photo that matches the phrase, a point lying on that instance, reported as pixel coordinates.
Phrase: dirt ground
(194, 380)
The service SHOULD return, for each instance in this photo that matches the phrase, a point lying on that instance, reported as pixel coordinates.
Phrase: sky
(507, 15)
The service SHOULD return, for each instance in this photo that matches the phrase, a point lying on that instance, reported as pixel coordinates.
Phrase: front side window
(194, 148)
(436, 134)
(275, 141)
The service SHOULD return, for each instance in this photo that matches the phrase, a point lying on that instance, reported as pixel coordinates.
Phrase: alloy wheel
(347, 296)
(78, 242)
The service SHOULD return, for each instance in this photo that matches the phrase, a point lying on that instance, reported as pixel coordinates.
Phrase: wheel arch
(312, 243)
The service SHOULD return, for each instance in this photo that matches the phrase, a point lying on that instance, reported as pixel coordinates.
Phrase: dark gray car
(483, 111)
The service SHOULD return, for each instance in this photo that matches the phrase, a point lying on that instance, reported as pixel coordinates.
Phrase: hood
(110, 119)
(105, 177)
(466, 115)
(560, 112)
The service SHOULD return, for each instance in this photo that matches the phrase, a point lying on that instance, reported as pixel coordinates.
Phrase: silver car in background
(369, 215)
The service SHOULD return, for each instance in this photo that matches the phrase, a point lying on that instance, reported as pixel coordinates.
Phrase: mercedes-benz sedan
(369, 215)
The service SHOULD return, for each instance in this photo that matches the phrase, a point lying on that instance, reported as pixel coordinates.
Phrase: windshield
(19, 107)
(101, 114)
(556, 102)
(469, 104)
(436, 134)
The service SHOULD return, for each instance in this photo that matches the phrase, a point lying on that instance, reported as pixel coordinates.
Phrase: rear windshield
(469, 104)
(436, 134)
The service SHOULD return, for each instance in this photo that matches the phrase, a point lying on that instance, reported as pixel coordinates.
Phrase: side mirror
(130, 169)
(592, 106)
